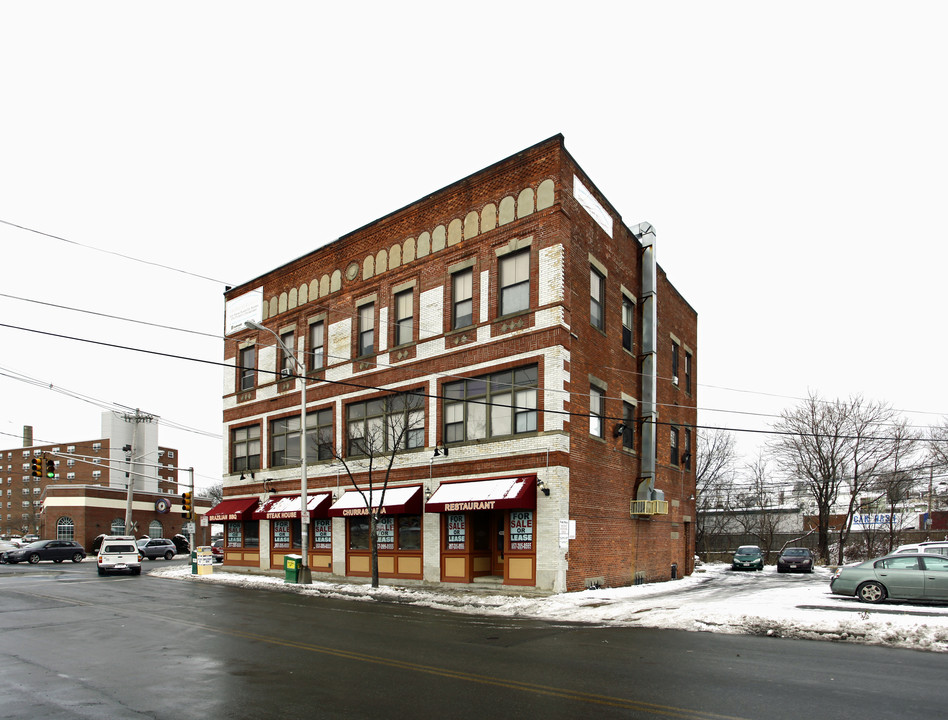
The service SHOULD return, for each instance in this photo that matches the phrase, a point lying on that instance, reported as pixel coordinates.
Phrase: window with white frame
(597, 402)
(404, 317)
(514, 272)
(316, 353)
(462, 299)
(597, 295)
(366, 329)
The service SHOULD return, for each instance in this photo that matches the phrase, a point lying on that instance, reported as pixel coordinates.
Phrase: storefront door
(488, 537)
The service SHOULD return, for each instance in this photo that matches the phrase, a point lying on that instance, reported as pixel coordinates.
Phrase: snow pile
(713, 599)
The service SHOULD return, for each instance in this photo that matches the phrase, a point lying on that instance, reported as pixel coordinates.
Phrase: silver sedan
(899, 577)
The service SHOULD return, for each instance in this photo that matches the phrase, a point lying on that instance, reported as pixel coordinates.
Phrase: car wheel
(101, 571)
(151, 557)
(169, 555)
(34, 558)
(780, 569)
(136, 571)
(871, 592)
(77, 557)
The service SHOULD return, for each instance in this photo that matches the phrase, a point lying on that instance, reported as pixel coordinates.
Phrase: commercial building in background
(81, 488)
(540, 363)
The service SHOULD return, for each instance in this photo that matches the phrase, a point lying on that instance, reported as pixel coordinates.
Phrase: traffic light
(50, 468)
(186, 507)
(37, 466)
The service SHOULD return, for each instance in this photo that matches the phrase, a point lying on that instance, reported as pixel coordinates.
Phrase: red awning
(288, 506)
(397, 501)
(234, 509)
(507, 493)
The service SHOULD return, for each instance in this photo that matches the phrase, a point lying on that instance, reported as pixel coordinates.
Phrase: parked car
(748, 557)
(939, 547)
(795, 559)
(217, 550)
(901, 576)
(55, 550)
(154, 548)
(4, 546)
(119, 553)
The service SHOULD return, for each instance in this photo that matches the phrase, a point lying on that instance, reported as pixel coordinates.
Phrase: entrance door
(489, 541)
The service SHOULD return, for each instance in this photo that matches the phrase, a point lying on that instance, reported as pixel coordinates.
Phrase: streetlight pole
(305, 576)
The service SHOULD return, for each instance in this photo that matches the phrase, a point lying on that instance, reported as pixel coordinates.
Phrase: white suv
(119, 553)
(929, 546)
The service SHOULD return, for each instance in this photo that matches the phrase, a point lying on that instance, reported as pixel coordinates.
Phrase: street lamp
(305, 576)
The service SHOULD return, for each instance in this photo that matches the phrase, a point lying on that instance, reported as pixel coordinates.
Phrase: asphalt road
(73, 645)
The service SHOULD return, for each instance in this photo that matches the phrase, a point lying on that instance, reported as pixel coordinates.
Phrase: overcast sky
(790, 157)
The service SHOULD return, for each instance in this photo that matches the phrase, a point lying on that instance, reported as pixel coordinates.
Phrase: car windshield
(800, 552)
(142, 543)
(748, 550)
(37, 544)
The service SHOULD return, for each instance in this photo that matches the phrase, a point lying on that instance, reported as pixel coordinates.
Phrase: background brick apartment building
(557, 370)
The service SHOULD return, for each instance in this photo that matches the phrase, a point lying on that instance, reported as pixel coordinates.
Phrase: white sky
(713, 599)
(791, 159)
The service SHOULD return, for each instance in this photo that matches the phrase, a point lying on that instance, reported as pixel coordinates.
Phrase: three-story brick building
(540, 364)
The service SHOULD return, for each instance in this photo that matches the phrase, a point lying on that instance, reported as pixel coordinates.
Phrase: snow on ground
(713, 599)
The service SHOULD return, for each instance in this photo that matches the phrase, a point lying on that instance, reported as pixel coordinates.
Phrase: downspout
(645, 234)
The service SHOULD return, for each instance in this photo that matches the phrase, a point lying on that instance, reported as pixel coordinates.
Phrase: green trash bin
(291, 568)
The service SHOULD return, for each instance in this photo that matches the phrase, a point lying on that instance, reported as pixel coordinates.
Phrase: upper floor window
(381, 425)
(688, 372)
(495, 405)
(628, 323)
(628, 426)
(514, 273)
(96, 447)
(404, 321)
(316, 345)
(673, 446)
(367, 329)
(285, 438)
(597, 399)
(462, 299)
(686, 452)
(245, 448)
(597, 293)
(287, 359)
(247, 367)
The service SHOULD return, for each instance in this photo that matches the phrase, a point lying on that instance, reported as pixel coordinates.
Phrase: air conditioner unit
(285, 373)
(674, 380)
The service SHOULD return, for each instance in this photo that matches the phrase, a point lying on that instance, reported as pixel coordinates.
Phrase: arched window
(118, 526)
(155, 530)
(65, 529)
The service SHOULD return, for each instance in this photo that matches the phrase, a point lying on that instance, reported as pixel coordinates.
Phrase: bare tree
(876, 440)
(812, 447)
(714, 479)
(374, 436)
(214, 492)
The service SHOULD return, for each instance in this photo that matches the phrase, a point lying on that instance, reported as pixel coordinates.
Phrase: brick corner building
(553, 370)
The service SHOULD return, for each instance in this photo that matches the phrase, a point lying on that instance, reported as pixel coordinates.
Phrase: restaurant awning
(233, 509)
(508, 493)
(397, 500)
(288, 506)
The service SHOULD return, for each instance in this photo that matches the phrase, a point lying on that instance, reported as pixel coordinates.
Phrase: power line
(362, 386)
(117, 254)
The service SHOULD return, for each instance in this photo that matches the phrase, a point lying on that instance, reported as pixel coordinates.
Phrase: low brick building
(87, 492)
(540, 363)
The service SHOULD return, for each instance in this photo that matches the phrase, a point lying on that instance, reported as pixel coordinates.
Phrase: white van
(939, 547)
(119, 553)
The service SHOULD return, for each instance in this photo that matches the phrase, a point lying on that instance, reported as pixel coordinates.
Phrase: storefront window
(521, 530)
(358, 533)
(281, 534)
(456, 531)
(251, 534)
(235, 534)
(409, 532)
(322, 533)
